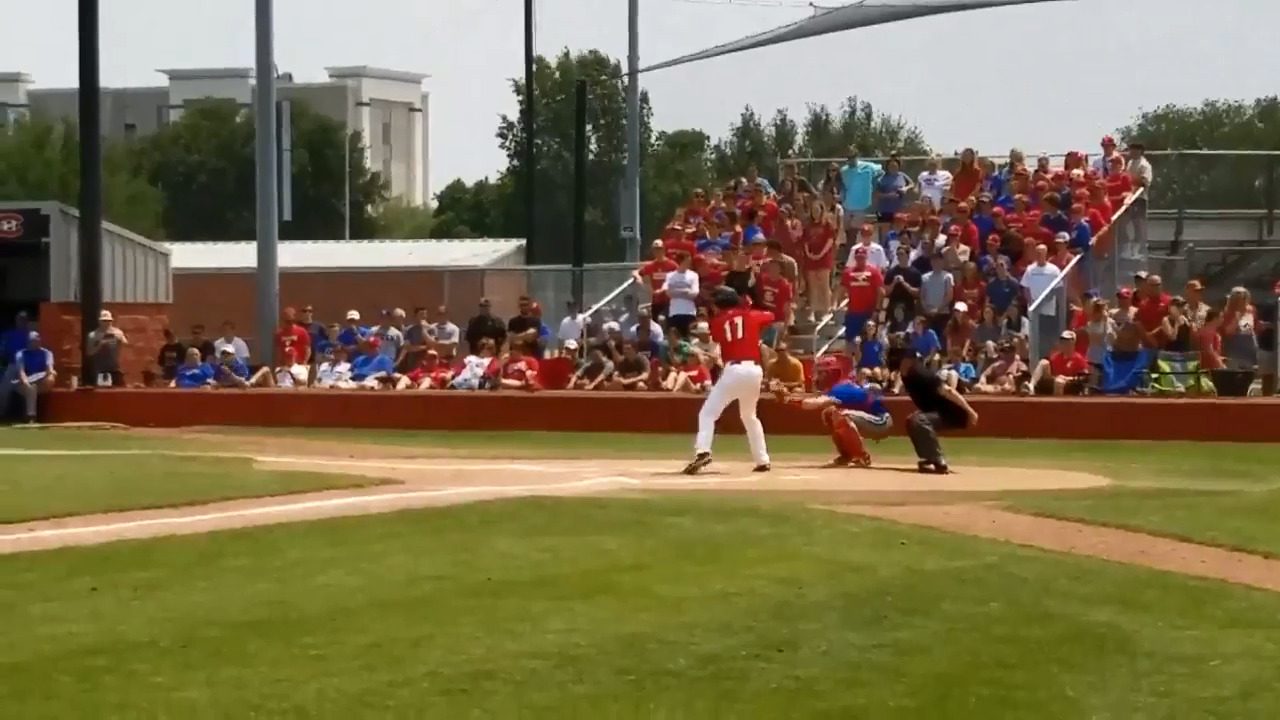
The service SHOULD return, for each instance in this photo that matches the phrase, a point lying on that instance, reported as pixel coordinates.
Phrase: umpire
(939, 408)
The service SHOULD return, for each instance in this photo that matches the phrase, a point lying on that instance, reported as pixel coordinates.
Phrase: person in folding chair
(939, 408)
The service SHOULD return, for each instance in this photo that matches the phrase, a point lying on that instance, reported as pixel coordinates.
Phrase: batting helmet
(725, 298)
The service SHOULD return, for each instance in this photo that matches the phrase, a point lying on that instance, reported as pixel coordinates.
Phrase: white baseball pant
(740, 381)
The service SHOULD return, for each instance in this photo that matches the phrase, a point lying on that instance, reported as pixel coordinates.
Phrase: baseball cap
(1108, 140)
(701, 327)
(1195, 285)
(656, 243)
(570, 344)
(226, 349)
(1067, 335)
(612, 326)
(1062, 238)
(33, 336)
(1124, 292)
(105, 315)
(353, 315)
(953, 229)
(860, 252)
(961, 306)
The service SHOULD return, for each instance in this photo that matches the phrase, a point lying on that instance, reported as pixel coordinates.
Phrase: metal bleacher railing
(817, 331)
(1116, 255)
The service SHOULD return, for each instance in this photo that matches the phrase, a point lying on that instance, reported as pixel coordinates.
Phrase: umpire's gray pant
(922, 428)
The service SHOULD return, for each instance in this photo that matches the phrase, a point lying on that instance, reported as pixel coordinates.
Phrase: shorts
(854, 218)
(681, 324)
(869, 426)
(1074, 386)
(854, 323)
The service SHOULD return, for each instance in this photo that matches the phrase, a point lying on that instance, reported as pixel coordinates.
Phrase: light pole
(268, 199)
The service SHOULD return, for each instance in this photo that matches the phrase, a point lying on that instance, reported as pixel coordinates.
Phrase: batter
(738, 330)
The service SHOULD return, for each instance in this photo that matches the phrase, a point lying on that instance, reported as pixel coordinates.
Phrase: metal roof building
(337, 255)
(215, 282)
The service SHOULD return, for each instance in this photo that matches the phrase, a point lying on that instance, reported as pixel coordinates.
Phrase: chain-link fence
(552, 286)
(1183, 179)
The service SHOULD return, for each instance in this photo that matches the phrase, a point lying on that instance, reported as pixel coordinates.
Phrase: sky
(1044, 78)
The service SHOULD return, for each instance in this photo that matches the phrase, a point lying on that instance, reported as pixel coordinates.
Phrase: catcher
(853, 412)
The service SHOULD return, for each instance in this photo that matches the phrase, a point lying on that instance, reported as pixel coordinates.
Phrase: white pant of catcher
(740, 381)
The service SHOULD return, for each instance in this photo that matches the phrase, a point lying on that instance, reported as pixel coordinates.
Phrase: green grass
(1240, 519)
(36, 487)
(663, 608)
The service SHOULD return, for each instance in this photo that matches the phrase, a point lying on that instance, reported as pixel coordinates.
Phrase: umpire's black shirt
(925, 388)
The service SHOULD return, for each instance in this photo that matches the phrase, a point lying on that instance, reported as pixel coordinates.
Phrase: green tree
(1211, 182)
(40, 161)
(554, 91)
(829, 134)
(204, 164)
(400, 220)
(679, 162)
(672, 163)
(747, 144)
(470, 211)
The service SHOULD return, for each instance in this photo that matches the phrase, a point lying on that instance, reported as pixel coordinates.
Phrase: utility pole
(631, 185)
(531, 249)
(90, 246)
(268, 197)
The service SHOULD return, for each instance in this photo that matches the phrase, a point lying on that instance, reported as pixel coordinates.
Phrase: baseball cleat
(699, 461)
(763, 467)
(864, 461)
(840, 461)
(924, 466)
(933, 468)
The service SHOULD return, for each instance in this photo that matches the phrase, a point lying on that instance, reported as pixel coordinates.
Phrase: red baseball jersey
(655, 271)
(738, 332)
(775, 295)
(524, 369)
(862, 285)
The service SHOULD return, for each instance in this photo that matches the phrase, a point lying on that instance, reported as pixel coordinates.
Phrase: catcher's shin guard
(847, 439)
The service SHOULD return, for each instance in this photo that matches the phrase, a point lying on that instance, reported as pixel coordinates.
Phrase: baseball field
(239, 573)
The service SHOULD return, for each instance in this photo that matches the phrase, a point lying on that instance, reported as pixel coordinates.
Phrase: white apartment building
(388, 107)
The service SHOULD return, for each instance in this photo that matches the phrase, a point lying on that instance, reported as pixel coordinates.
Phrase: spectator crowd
(946, 263)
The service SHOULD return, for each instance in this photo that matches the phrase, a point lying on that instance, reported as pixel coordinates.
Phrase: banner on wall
(23, 225)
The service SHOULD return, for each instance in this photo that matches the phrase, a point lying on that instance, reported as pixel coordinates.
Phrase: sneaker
(699, 461)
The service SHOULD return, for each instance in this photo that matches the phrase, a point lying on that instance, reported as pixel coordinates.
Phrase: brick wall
(143, 325)
(212, 298)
